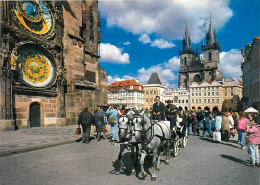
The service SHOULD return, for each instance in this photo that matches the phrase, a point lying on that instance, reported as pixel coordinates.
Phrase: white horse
(156, 138)
(127, 139)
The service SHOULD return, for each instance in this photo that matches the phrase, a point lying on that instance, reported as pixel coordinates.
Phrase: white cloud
(126, 43)
(166, 19)
(167, 72)
(230, 63)
(160, 43)
(144, 38)
(173, 63)
(112, 54)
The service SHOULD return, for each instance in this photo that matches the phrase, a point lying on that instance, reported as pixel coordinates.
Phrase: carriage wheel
(175, 148)
(185, 139)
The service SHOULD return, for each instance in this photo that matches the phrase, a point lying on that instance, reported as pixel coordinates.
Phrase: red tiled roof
(258, 38)
(126, 84)
(240, 82)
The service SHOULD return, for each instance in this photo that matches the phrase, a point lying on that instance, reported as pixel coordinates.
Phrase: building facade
(195, 69)
(153, 88)
(128, 93)
(216, 96)
(180, 97)
(49, 62)
(232, 95)
(251, 74)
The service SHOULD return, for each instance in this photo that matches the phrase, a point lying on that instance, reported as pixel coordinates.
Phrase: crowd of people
(225, 124)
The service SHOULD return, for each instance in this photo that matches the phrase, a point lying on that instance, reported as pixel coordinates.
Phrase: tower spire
(186, 39)
(210, 34)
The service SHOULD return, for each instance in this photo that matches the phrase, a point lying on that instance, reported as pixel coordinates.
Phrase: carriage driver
(170, 112)
(158, 112)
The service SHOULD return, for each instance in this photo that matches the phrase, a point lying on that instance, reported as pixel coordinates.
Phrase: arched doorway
(35, 115)
(215, 109)
(207, 108)
(197, 78)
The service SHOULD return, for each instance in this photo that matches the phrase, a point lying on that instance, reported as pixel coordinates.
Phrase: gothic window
(185, 61)
(210, 56)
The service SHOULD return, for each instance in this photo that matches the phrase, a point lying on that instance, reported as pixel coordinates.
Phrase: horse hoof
(124, 168)
(153, 178)
(157, 168)
(133, 172)
(144, 174)
(167, 163)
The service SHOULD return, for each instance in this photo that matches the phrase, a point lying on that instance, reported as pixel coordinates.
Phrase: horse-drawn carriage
(154, 137)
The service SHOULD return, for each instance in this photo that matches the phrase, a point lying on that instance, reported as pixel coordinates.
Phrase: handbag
(78, 131)
(111, 120)
(217, 136)
(104, 129)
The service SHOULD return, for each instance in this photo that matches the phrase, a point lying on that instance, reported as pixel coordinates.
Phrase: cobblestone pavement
(22, 140)
(201, 162)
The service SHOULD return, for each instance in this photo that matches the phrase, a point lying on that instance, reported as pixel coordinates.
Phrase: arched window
(210, 56)
(185, 61)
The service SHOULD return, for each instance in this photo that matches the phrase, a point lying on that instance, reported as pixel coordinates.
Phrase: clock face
(34, 16)
(34, 66)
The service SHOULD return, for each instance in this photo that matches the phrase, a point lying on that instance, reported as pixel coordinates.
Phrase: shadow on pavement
(232, 158)
(126, 158)
(222, 142)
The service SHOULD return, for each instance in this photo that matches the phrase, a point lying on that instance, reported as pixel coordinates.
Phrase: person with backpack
(112, 120)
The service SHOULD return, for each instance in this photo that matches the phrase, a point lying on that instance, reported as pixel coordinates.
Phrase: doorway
(35, 115)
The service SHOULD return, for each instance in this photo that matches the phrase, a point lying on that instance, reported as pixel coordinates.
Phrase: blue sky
(141, 37)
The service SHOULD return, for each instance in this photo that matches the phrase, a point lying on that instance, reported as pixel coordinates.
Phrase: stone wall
(48, 108)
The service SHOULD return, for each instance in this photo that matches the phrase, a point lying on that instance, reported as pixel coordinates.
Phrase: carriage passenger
(158, 110)
(170, 112)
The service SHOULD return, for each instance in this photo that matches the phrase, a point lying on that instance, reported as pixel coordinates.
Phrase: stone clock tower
(49, 62)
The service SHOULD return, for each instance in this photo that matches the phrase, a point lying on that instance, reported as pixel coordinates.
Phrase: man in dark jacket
(170, 113)
(158, 111)
(85, 120)
(99, 122)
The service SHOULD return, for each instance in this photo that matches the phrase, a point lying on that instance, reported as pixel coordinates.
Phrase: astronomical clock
(34, 63)
(35, 66)
(37, 17)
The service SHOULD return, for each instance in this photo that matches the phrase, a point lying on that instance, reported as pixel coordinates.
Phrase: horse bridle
(129, 132)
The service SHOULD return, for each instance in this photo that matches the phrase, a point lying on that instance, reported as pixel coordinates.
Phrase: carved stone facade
(195, 69)
(49, 67)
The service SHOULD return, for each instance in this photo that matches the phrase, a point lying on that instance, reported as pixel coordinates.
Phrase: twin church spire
(211, 37)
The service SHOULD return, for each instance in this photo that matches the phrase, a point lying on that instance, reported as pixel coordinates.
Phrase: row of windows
(205, 101)
(205, 94)
(205, 88)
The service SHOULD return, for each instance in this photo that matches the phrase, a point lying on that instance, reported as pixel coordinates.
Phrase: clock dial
(34, 66)
(35, 16)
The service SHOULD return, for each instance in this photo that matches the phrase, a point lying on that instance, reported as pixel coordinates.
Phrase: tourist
(112, 120)
(85, 120)
(225, 128)
(207, 125)
(241, 129)
(217, 122)
(195, 125)
(253, 139)
(99, 122)
(231, 123)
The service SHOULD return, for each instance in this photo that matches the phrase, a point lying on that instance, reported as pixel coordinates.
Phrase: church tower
(211, 55)
(186, 58)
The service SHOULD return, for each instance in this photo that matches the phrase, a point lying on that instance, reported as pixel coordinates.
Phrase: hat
(169, 101)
